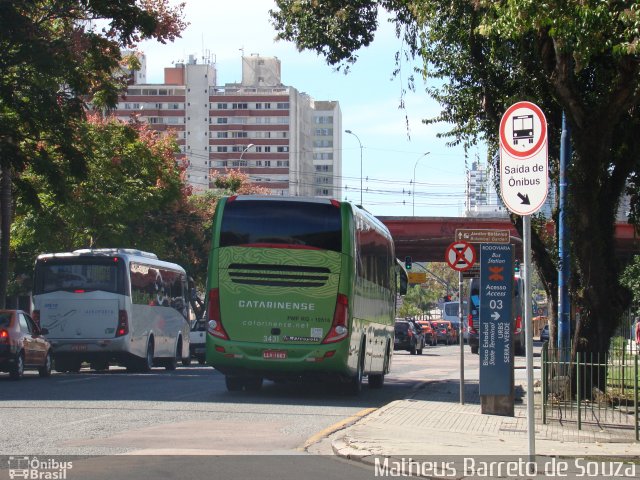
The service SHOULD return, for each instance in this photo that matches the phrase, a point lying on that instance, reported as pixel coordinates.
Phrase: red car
(22, 345)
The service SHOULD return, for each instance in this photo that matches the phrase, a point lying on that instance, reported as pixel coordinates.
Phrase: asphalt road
(184, 423)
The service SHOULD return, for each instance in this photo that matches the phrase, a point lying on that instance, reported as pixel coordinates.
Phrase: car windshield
(5, 319)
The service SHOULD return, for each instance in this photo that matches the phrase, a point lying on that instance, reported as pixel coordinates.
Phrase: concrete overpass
(426, 239)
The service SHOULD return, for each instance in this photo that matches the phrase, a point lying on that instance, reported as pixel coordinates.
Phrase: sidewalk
(434, 423)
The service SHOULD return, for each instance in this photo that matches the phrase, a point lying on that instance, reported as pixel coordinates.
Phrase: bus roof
(129, 254)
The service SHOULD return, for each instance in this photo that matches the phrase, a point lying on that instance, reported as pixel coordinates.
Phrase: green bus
(299, 288)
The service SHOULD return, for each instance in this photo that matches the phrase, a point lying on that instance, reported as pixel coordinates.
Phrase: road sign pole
(461, 336)
(528, 332)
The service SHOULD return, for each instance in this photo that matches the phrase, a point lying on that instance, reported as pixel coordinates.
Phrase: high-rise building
(482, 199)
(281, 138)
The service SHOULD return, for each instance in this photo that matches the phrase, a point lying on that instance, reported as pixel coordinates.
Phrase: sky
(369, 99)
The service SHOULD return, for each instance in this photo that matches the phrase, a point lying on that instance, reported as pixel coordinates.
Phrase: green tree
(631, 280)
(417, 301)
(55, 54)
(581, 58)
(131, 175)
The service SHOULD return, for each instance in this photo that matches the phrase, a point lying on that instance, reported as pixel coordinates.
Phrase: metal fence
(592, 388)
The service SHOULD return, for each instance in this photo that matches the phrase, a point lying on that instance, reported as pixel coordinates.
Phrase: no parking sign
(460, 256)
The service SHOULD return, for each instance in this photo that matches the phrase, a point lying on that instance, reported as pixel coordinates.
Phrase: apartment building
(481, 197)
(281, 138)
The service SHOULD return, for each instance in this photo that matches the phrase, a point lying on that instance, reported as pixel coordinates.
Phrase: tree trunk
(5, 227)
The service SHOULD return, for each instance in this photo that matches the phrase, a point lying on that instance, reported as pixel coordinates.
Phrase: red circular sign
(461, 256)
(526, 131)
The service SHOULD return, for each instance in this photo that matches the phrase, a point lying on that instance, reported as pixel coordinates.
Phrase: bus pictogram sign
(460, 256)
(524, 165)
(523, 130)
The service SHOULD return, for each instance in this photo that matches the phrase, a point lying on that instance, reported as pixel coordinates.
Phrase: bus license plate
(79, 347)
(274, 354)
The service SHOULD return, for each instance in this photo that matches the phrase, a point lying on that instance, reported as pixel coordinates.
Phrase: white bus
(112, 306)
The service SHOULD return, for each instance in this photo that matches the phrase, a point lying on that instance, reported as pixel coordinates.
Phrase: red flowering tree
(55, 54)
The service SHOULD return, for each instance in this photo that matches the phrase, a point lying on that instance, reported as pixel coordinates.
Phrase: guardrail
(593, 388)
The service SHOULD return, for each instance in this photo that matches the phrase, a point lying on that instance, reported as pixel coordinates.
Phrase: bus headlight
(341, 330)
(212, 325)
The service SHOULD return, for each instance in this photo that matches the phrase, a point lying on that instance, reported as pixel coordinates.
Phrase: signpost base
(502, 405)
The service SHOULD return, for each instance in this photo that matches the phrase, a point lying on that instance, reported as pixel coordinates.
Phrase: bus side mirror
(404, 282)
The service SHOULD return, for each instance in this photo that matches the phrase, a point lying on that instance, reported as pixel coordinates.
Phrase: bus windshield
(75, 274)
(275, 223)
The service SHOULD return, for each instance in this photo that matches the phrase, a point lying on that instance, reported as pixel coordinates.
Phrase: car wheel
(186, 361)
(45, 370)
(17, 369)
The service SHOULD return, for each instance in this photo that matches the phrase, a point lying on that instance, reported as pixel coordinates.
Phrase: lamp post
(245, 150)
(359, 142)
(413, 195)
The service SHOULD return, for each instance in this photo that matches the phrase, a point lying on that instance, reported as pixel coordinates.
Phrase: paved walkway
(433, 423)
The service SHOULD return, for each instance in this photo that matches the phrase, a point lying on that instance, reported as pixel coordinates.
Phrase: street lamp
(351, 133)
(245, 149)
(413, 196)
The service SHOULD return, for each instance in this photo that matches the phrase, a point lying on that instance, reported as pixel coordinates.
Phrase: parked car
(473, 318)
(22, 345)
(544, 333)
(428, 331)
(408, 337)
(197, 341)
(519, 341)
(444, 331)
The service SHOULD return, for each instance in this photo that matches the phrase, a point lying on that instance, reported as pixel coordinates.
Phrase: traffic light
(516, 266)
(407, 262)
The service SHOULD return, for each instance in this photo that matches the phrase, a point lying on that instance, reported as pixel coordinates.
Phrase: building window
(222, 106)
(282, 163)
(159, 106)
(283, 106)
(222, 120)
(221, 149)
(240, 106)
(267, 149)
(223, 135)
(282, 149)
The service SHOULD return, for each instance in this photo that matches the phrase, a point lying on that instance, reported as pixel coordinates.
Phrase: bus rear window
(79, 275)
(272, 222)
